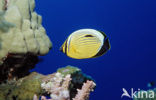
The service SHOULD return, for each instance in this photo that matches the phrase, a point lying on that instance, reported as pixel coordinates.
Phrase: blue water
(131, 28)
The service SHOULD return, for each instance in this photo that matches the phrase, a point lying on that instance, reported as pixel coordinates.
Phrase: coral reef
(82, 94)
(66, 83)
(56, 86)
(22, 37)
(22, 40)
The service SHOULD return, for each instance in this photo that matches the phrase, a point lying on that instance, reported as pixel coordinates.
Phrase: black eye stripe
(65, 47)
(88, 36)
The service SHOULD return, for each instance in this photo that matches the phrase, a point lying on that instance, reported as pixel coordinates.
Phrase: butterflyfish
(86, 43)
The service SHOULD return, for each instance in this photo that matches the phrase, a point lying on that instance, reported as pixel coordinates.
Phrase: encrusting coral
(23, 89)
(22, 37)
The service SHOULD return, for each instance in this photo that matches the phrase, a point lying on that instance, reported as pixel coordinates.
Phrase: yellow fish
(86, 43)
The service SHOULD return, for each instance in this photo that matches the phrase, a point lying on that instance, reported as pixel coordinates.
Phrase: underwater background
(131, 28)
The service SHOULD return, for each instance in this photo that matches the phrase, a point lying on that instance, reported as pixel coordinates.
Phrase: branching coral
(67, 84)
(57, 87)
(83, 94)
